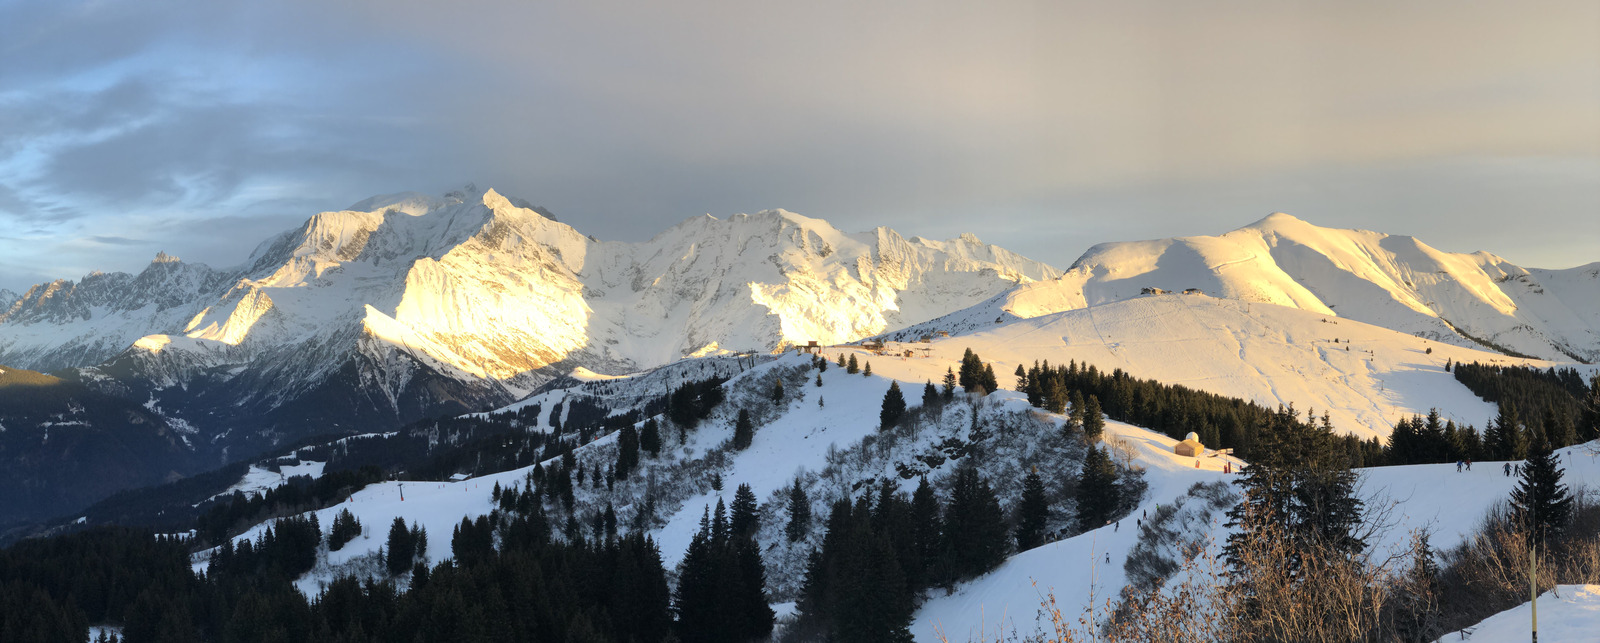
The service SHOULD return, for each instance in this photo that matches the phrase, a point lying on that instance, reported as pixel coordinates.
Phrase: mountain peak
(1277, 219)
(163, 257)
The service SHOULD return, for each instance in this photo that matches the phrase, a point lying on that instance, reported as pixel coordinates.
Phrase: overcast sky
(201, 127)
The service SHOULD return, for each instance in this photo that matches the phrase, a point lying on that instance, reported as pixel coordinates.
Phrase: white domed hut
(1190, 446)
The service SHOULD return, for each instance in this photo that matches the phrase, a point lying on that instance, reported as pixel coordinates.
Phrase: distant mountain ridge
(1396, 282)
(410, 305)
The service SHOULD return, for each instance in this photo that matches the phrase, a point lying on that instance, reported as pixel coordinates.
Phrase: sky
(199, 128)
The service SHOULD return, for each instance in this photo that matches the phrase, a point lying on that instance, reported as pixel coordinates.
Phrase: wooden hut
(1190, 446)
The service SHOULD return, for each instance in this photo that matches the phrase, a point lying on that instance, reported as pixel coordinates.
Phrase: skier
(1469, 464)
(1458, 466)
(1508, 469)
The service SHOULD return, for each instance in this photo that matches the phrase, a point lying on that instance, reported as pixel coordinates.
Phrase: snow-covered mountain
(1397, 282)
(406, 305)
(63, 324)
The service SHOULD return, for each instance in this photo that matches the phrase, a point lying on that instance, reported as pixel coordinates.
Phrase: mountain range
(409, 306)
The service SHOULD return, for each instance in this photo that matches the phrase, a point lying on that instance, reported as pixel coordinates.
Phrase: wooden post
(1533, 587)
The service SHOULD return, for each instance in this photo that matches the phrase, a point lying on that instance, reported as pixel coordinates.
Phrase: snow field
(1567, 614)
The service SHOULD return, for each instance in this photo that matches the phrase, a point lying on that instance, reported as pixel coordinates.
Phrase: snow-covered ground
(1430, 497)
(1567, 614)
(1367, 379)
(1393, 281)
(1270, 354)
(257, 479)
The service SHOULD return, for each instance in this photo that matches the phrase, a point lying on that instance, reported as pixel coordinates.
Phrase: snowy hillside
(1364, 376)
(1397, 282)
(1434, 498)
(1567, 614)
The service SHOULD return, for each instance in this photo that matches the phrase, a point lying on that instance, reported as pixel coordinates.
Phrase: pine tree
(925, 531)
(1417, 612)
(971, 375)
(799, 513)
(745, 520)
(867, 371)
(1022, 378)
(1589, 424)
(819, 380)
(650, 437)
(1094, 422)
(345, 528)
(894, 407)
(842, 363)
(744, 431)
(1541, 504)
(853, 367)
(949, 391)
(1098, 491)
(627, 452)
(777, 390)
(990, 383)
(975, 537)
(930, 395)
(1033, 512)
(401, 549)
(1509, 441)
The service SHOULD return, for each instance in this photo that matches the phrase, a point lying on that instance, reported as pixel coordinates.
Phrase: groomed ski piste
(1265, 353)
(1567, 614)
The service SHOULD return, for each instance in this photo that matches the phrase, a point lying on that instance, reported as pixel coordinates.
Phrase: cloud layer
(199, 128)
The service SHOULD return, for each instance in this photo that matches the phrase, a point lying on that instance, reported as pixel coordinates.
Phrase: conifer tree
(345, 528)
(990, 383)
(1509, 441)
(650, 437)
(627, 451)
(971, 375)
(1022, 378)
(744, 431)
(401, 550)
(930, 395)
(1589, 424)
(1094, 422)
(867, 371)
(894, 407)
(1033, 512)
(842, 363)
(854, 366)
(745, 520)
(975, 537)
(1541, 504)
(819, 380)
(1098, 491)
(925, 530)
(949, 391)
(777, 390)
(799, 513)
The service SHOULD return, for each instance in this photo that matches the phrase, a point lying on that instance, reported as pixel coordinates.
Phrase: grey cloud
(1045, 127)
(112, 240)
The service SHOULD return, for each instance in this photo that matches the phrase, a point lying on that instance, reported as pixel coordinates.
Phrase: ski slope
(1364, 376)
(1567, 614)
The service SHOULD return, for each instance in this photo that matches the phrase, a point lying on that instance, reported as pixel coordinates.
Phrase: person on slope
(1458, 466)
(1508, 469)
(1469, 464)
